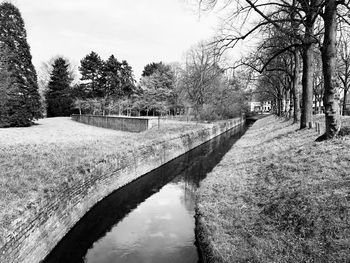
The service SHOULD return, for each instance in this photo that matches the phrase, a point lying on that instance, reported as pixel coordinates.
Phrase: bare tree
(343, 64)
(306, 15)
(297, 14)
(200, 72)
(280, 54)
(329, 56)
(318, 83)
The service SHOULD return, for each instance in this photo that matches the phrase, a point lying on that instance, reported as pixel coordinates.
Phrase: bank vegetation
(278, 196)
(38, 160)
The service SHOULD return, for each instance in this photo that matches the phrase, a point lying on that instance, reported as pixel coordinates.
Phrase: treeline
(108, 87)
(198, 87)
(302, 51)
(101, 84)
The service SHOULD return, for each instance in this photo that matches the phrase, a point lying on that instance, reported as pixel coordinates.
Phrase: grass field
(34, 161)
(278, 196)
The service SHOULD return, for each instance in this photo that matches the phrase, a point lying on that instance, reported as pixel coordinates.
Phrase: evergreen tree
(58, 99)
(4, 86)
(22, 103)
(111, 78)
(91, 75)
(158, 88)
(127, 79)
(150, 68)
(118, 80)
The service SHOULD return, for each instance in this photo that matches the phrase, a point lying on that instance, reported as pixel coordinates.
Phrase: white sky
(139, 31)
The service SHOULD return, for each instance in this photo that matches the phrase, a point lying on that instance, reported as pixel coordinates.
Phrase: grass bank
(36, 161)
(278, 196)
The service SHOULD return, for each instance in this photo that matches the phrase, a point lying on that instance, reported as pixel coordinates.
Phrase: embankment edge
(36, 236)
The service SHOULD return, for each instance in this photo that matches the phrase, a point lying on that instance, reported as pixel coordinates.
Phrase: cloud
(138, 31)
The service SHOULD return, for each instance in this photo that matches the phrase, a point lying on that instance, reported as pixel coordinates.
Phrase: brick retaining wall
(36, 236)
(130, 124)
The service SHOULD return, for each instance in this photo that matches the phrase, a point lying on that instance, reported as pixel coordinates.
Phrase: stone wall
(35, 237)
(130, 124)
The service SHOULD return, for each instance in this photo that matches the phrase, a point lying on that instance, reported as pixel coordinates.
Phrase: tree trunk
(287, 102)
(279, 104)
(308, 72)
(344, 101)
(281, 112)
(329, 51)
(295, 89)
(291, 101)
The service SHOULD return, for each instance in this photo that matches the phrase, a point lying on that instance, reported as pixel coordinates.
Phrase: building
(257, 106)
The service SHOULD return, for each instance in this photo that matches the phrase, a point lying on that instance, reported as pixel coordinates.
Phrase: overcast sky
(139, 31)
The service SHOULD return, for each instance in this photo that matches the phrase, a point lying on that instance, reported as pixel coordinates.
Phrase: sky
(139, 31)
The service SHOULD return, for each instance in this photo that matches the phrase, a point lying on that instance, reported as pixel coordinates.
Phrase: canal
(150, 219)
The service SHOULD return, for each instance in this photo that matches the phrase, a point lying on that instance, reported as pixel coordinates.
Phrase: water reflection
(158, 230)
(149, 220)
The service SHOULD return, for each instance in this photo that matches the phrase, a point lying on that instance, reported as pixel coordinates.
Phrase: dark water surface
(149, 220)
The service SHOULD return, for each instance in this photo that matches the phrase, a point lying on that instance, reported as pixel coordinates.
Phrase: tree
(211, 93)
(4, 87)
(274, 54)
(105, 83)
(111, 71)
(150, 68)
(44, 75)
(343, 68)
(294, 19)
(199, 75)
(329, 56)
(58, 97)
(318, 85)
(158, 92)
(105, 79)
(307, 13)
(91, 75)
(117, 79)
(127, 79)
(23, 100)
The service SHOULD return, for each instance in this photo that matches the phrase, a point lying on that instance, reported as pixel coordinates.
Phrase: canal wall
(130, 124)
(35, 237)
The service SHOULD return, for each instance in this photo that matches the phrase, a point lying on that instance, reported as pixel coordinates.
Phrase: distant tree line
(302, 56)
(101, 83)
(200, 87)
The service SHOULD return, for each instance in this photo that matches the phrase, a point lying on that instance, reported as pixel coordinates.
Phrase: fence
(320, 125)
(122, 123)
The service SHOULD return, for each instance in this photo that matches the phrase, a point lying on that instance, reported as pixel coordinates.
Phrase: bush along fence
(122, 123)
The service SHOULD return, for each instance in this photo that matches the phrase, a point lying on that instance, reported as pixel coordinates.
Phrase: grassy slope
(34, 161)
(278, 196)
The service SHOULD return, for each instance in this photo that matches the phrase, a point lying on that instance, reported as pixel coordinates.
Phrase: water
(149, 220)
